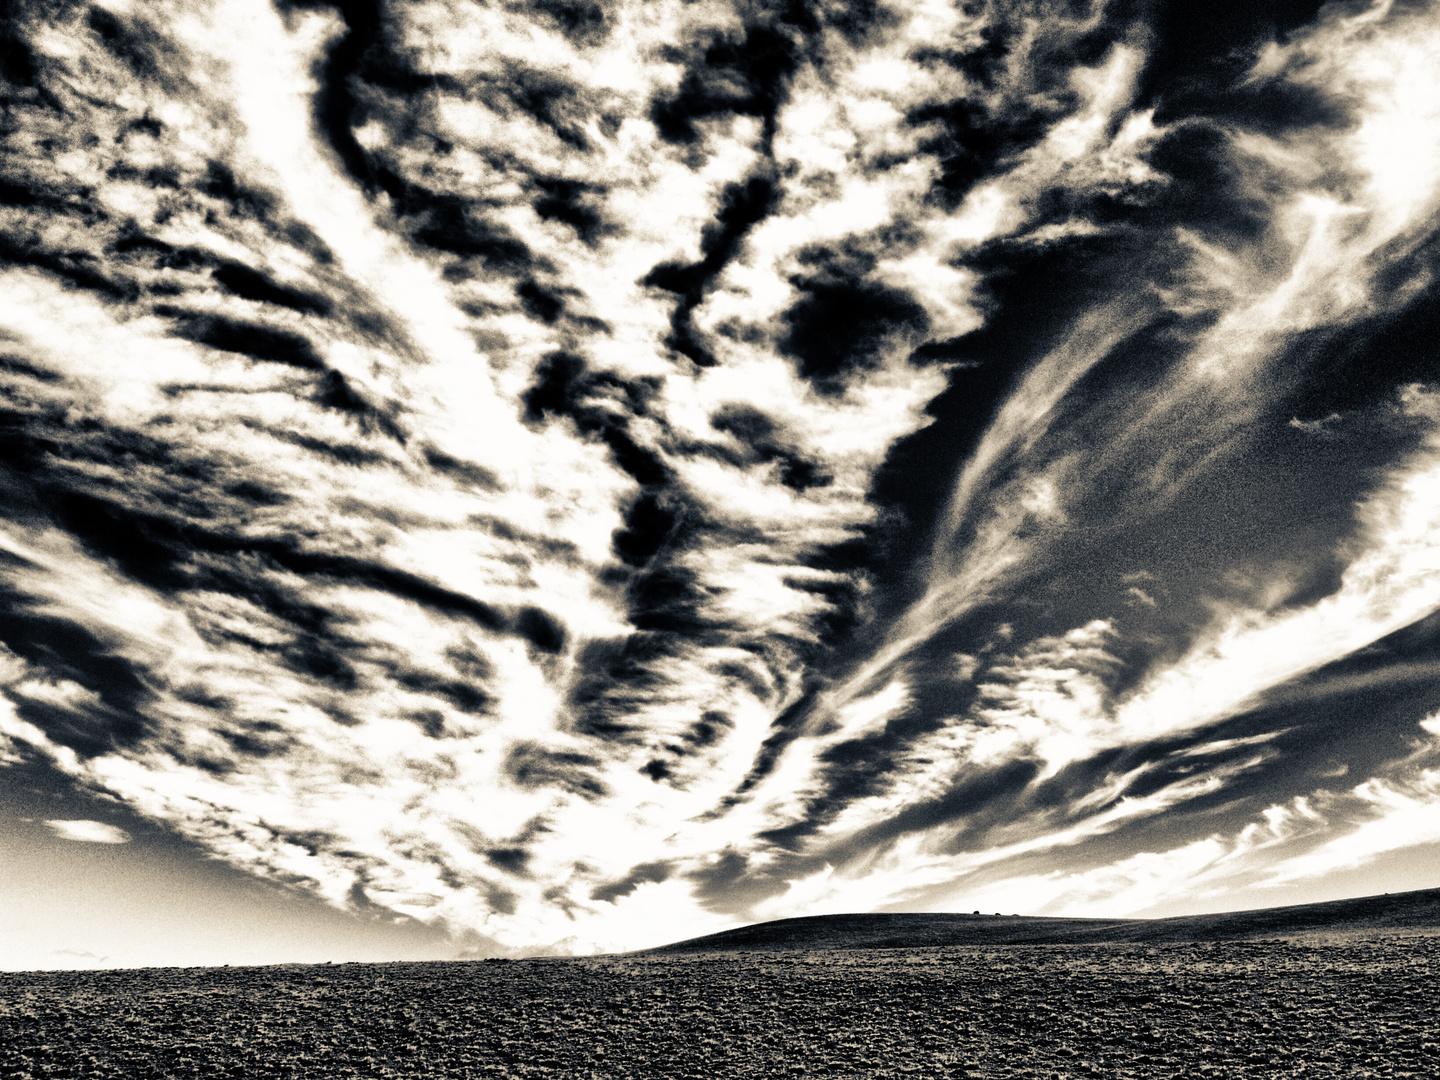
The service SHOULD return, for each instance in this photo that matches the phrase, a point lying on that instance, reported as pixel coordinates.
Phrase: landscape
(708, 539)
(1343, 989)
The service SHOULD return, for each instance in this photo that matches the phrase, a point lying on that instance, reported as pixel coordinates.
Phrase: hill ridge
(1415, 910)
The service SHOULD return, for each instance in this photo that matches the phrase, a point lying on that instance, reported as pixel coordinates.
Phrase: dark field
(1360, 1005)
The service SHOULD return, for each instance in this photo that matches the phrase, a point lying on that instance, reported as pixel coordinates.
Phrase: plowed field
(1356, 1007)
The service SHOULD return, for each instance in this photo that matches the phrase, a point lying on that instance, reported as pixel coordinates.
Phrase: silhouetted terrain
(1401, 911)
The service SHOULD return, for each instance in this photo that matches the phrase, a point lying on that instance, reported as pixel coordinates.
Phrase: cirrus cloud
(585, 481)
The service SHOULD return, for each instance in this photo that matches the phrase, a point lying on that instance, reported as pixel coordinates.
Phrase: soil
(1339, 1006)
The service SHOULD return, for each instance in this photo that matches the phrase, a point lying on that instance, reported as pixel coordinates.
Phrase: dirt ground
(1335, 1007)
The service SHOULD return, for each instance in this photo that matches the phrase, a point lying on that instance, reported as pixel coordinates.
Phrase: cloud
(1309, 837)
(1393, 812)
(654, 873)
(89, 832)
(80, 954)
(573, 479)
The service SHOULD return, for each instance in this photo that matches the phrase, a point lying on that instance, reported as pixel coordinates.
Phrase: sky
(495, 479)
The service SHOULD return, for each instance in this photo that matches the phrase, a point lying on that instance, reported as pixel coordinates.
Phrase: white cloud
(301, 709)
(89, 832)
(1393, 581)
(1309, 838)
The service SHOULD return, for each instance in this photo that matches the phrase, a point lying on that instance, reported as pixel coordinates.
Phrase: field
(1337, 1005)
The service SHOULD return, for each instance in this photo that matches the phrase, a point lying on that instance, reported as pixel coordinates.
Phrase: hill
(1399, 911)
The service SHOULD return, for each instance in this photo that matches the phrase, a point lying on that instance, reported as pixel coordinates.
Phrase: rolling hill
(1399, 911)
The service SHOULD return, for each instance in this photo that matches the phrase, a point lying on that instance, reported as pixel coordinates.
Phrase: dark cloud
(974, 801)
(748, 77)
(134, 245)
(549, 99)
(1353, 370)
(784, 730)
(242, 200)
(19, 66)
(582, 21)
(742, 206)
(671, 600)
(253, 285)
(661, 523)
(501, 900)
(467, 472)
(709, 730)
(430, 721)
(656, 770)
(613, 677)
(1276, 501)
(575, 203)
(254, 340)
(22, 188)
(62, 650)
(257, 494)
(145, 125)
(1020, 67)
(132, 41)
(565, 386)
(559, 380)
(453, 224)
(984, 796)
(540, 303)
(653, 872)
(261, 739)
(14, 365)
(88, 729)
(1206, 186)
(651, 522)
(731, 885)
(466, 695)
(150, 549)
(971, 143)
(77, 268)
(1350, 719)
(512, 860)
(540, 629)
(766, 443)
(1033, 295)
(560, 550)
(363, 68)
(342, 453)
(315, 656)
(168, 552)
(335, 102)
(335, 392)
(532, 766)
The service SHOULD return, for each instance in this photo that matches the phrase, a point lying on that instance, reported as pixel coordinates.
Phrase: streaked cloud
(89, 832)
(578, 480)
(1309, 837)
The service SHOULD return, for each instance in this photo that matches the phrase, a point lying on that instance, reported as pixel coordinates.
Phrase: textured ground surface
(1334, 1007)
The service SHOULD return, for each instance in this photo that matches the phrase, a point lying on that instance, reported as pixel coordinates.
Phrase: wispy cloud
(1309, 837)
(586, 480)
(80, 954)
(89, 832)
